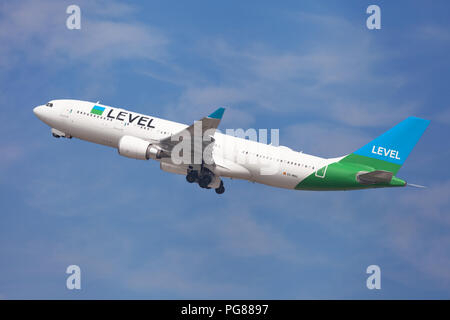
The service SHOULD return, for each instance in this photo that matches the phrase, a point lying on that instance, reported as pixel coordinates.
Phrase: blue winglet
(217, 114)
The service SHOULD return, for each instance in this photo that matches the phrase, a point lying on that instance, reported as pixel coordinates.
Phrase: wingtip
(217, 114)
(418, 119)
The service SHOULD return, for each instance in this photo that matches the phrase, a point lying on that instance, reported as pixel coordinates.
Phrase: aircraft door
(321, 172)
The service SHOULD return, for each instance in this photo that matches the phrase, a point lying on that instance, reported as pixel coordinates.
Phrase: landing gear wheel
(191, 176)
(55, 135)
(220, 189)
(204, 181)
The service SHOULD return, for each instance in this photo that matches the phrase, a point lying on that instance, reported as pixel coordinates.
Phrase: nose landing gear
(59, 134)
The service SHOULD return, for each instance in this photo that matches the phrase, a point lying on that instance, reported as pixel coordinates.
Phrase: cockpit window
(49, 104)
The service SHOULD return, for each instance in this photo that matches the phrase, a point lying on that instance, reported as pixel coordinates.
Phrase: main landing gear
(220, 189)
(204, 179)
(192, 176)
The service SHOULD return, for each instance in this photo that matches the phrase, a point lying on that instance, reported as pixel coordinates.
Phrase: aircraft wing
(200, 136)
(373, 177)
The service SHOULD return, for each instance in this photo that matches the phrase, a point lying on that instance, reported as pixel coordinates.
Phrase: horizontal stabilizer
(373, 177)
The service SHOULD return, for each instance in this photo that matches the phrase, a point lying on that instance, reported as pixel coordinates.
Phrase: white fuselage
(233, 157)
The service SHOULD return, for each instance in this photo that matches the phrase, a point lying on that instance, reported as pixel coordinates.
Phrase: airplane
(217, 155)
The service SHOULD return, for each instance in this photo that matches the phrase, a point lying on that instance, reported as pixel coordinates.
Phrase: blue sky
(310, 68)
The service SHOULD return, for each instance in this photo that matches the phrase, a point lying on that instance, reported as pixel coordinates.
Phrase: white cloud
(36, 31)
(417, 231)
(442, 116)
(434, 33)
(336, 78)
(431, 203)
(242, 235)
(239, 234)
(10, 153)
(324, 139)
(196, 103)
(371, 113)
(180, 272)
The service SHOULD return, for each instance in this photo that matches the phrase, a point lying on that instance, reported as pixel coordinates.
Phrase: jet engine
(137, 148)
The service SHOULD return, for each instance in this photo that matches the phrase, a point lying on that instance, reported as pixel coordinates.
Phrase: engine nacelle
(137, 148)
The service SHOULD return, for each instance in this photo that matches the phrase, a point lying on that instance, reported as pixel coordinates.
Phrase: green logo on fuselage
(97, 110)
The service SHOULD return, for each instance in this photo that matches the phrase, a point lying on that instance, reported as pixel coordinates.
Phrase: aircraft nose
(38, 111)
